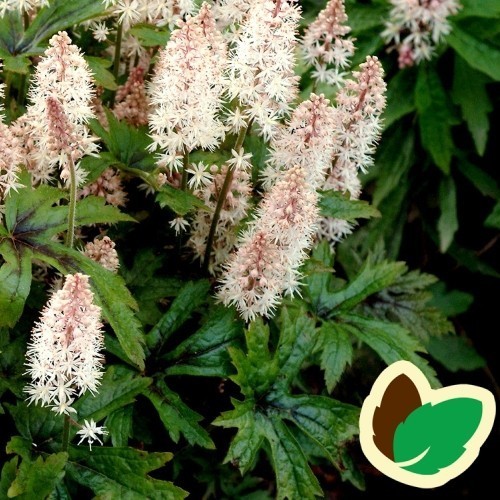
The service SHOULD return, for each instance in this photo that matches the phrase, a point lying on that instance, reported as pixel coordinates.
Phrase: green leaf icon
(438, 433)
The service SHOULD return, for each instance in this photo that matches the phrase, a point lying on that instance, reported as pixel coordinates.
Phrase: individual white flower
(200, 175)
(90, 431)
(179, 224)
(128, 12)
(240, 159)
(100, 31)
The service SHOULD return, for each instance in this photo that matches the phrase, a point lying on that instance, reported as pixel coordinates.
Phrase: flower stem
(185, 166)
(116, 62)
(70, 235)
(65, 439)
(222, 198)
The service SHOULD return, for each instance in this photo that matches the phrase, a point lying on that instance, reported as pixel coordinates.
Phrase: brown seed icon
(400, 398)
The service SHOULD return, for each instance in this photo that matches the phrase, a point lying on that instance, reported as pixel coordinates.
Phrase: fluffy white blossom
(325, 45)
(415, 27)
(64, 356)
(60, 96)
(186, 89)
(360, 104)
(262, 62)
(10, 156)
(306, 140)
(269, 253)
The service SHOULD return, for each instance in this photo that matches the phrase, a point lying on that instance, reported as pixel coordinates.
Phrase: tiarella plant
(182, 275)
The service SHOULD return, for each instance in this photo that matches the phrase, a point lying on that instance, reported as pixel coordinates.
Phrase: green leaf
(319, 276)
(177, 417)
(336, 351)
(60, 15)
(94, 166)
(395, 157)
(448, 220)
(93, 210)
(441, 430)
(128, 144)
(297, 339)
(38, 479)
(11, 31)
(257, 369)
(455, 353)
(400, 96)
(471, 261)
(326, 421)
(450, 303)
(119, 425)
(119, 387)
(493, 220)
(391, 342)
(486, 184)
(9, 470)
(469, 92)
(338, 205)
(371, 279)
(294, 478)
(35, 423)
(190, 297)
(245, 446)
(15, 281)
(121, 473)
(435, 117)
(205, 352)
(181, 202)
(363, 17)
(102, 76)
(17, 64)
(479, 54)
(485, 8)
(150, 36)
(408, 302)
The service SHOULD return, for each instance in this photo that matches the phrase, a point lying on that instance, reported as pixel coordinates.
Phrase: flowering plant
(190, 268)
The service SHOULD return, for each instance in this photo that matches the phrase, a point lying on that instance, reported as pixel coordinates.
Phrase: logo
(420, 436)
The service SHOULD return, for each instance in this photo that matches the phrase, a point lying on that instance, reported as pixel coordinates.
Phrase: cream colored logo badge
(420, 436)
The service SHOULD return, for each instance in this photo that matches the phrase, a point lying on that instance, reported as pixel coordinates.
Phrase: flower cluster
(186, 90)
(64, 356)
(325, 46)
(265, 265)
(131, 103)
(360, 104)
(10, 157)
(307, 140)
(60, 95)
(103, 252)
(109, 186)
(415, 27)
(232, 211)
(262, 62)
